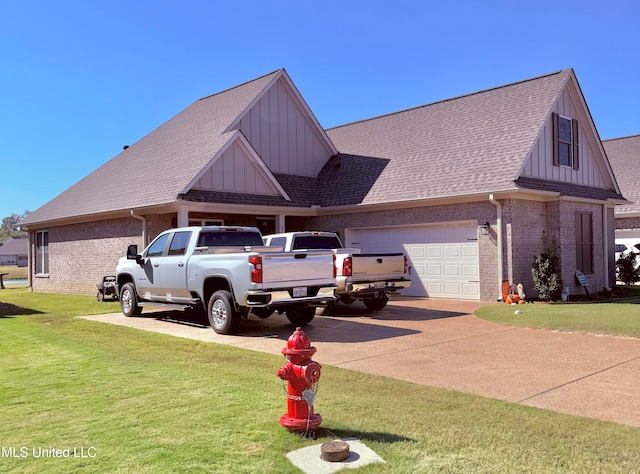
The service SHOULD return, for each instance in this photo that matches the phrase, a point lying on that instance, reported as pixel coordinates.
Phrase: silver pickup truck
(368, 277)
(227, 271)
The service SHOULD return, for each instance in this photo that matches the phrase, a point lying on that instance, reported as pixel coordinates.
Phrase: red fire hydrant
(303, 375)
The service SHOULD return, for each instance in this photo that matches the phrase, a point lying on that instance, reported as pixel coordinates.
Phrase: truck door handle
(181, 264)
(156, 265)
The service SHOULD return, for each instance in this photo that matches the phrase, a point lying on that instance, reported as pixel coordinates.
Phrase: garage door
(443, 259)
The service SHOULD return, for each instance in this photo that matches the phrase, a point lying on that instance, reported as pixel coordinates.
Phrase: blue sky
(80, 79)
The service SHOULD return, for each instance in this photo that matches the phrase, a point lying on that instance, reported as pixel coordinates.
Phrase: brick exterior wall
(523, 223)
(628, 223)
(81, 254)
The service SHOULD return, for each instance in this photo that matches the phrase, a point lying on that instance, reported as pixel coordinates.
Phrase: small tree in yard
(546, 271)
(627, 268)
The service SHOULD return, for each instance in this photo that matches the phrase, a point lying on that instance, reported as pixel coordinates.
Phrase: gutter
(144, 227)
(499, 239)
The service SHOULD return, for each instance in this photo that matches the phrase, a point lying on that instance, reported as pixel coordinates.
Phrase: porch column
(183, 217)
(280, 226)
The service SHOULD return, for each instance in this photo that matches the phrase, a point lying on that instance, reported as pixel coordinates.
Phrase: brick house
(624, 155)
(465, 187)
(13, 251)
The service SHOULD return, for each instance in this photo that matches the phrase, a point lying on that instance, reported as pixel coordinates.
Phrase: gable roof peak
(272, 73)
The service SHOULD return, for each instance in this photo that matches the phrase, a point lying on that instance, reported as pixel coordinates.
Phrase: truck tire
(222, 316)
(376, 304)
(129, 300)
(301, 315)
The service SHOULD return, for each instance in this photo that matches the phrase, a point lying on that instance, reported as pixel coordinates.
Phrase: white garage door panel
(443, 260)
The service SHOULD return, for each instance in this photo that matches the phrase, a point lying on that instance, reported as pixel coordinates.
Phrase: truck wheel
(300, 316)
(129, 301)
(222, 316)
(375, 304)
(262, 313)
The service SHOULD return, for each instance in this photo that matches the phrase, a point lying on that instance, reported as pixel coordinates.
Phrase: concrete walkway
(442, 344)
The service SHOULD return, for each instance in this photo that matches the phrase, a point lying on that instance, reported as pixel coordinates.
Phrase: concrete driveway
(442, 344)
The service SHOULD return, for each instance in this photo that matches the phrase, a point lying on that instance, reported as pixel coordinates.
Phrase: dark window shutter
(584, 242)
(556, 140)
(574, 136)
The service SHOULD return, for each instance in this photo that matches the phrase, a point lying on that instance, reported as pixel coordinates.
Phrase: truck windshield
(229, 239)
(316, 242)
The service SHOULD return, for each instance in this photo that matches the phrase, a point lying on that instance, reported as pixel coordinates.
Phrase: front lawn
(619, 316)
(138, 402)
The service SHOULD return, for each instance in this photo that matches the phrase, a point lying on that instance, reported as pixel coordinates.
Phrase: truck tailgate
(378, 266)
(298, 268)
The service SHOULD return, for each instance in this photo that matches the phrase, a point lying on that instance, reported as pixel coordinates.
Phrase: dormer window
(565, 142)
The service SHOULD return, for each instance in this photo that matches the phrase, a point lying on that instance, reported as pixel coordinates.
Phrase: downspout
(32, 242)
(144, 227)
(605, 243)
(499, 240)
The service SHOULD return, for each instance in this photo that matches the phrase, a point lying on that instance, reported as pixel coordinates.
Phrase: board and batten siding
(279, 129)
(539, 163)
(236, 172)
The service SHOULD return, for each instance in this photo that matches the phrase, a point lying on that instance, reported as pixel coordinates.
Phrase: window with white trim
(42, 252)
(565, 142)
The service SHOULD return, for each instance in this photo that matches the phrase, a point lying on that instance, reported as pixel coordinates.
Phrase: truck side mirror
(132, 253)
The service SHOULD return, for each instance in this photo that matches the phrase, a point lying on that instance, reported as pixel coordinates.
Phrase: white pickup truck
(359, 276)
(227, 271)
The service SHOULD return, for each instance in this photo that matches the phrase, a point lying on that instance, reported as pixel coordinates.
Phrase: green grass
(148, 402)
(14, 272)
(613, 317)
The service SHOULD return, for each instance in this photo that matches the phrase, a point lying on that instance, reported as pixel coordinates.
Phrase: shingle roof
(156, 169)
(301, 190)
(624, 157)
(14, 246)
(564, 188)
(470, 144)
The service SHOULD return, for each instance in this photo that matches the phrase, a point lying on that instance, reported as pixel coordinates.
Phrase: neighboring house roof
(14, 246)
(472, 144)
(624, 156)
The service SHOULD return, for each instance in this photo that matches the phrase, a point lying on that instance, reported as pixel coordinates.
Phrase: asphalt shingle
(471, 144)
(624, 157)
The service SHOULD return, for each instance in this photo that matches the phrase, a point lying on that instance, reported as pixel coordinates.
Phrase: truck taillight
(346, 267)
(406, 264)
(335, 268)
(256, 273)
